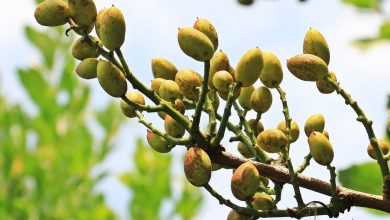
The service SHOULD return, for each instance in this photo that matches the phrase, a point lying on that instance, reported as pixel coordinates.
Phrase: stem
(366, 123)
(202, 98)
(332, 171)
(212, 125)
(278, 188)
(306, 163)
(285, 151)
(147, 108)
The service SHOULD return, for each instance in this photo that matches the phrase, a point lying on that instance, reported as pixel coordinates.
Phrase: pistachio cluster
(176, 92)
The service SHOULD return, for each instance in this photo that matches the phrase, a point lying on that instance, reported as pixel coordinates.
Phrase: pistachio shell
(83, 11)
(112, 28)
(272, 140)
(315, 122)
(188, 80)
(320, 148)
(134, 96)
(245, 181)
(294, 129)
(81, 49)
(87, 69)
(307, 67)
(220, 61)
(272, 74)
(157, 142)
(324, 87)
(221, 80)
(195, 44)
(262, 201)
(204, 26)
(98, 22)
(197, 166)
(246, 2)
(52, 13)
(111, 79)
(315, 43)
(225, 94)
(249, 67)
(234, 215)
(261, 99)
(256, 128)
(163, 68)
(245, 97)
(156, 83)
(244, 151)
(169, 90)
(382, 144)
(173, 128)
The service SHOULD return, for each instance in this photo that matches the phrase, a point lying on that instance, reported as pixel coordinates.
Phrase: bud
(262, 201)
(314, 43)
(244, 151)
(204, 26)
(220, 61)
(157, 142)
(245, 181)
(173, 128)
(221, 80)
(234, 215)
(112, 28)
(261, 99)
(325, 87)
(188, 80)
(156, 83)
(81, 49)
(294, 129)
(134, 96)
(83, 11)
(315, 122)
(169, 90)
(245, 97)
(382, 144)
(163, 68)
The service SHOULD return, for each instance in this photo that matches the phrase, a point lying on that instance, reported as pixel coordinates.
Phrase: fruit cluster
(175, 92)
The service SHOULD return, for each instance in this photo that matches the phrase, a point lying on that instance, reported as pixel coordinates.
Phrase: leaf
(364, 4)
(384, 32)
(44, 43)
(189, 203)
(69, 81)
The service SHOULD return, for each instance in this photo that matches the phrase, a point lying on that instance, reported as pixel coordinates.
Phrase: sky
(278, 26)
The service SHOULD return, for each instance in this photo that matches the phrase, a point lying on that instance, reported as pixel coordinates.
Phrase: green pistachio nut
(249, 67)
(320, 148)
(81, 49)
(112, 28)
(315, 43)
(307, 67)
(157, 142)
(272, 140)
(99, 19)
(220, 61)
(225, 94)
(326, 133)
(245, 97)
(52, 13)
(221, 80)
(325, 87)
(213, 96)
(272, 74)
(111, 79)
(244, 151)
(188, 80)
(256, 128)
(197, 166)
(83, 11)
(134, 96)
(195, 44)
(315, 122)
(246, 2)
(261, 99)
(234, 215)
(169, 90)
(215, 166)
(245, 181)
(179, 105)
(384, 146)
(156, 83)
(163, 68)
(87, 68)
(262, 201)
(205, 26)
(173, 128)
(294, 129)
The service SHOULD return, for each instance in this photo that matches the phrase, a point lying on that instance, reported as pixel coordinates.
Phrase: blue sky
(276, 26)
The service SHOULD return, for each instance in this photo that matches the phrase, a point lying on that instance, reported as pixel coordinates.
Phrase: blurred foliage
(151, 182)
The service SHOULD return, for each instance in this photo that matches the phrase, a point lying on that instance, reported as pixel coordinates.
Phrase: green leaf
(385, 30)
(189, 203)
(69, 82)
(44, 43)
(364, 4)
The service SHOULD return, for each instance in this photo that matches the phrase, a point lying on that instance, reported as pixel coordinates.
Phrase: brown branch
(280, 174)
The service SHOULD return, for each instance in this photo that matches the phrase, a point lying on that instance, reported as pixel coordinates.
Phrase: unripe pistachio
(188, 80)
(195, 44)
(221, 80)
(233, 72)
(215, 166)
(169, 90)
(245, 181)
(173, 128)
(246, 2)
(179, 105)
(307, 67)
(272, 74)
(156, 83)
(315, 122)
(234, 215)
(256, 128)
(83, 11)
(244, 151)
(213, 96)
(99, 20)
(294, 129)
(134, 96)
(112, 28)
(272, 140)
(225, 94)
(111, 79)
(163, 68)
(81, 49)
(320, 148)
(197, 166)
(314, 43)
(157, 142)
(261, 99)
(204, 26)
(262, 201)
(324, 87)
(220, 61)
(249, 67)
(245, 97)
(87, 69)
(326, 133)
(382, 144)
(52, 13)
(264, 180)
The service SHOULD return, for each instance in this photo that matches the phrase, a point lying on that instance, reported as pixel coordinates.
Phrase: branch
(202, 98)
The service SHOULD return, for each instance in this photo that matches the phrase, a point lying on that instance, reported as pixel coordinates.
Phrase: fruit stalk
(305, 163)
(212, 125)
(202, 98)
(147, 108)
